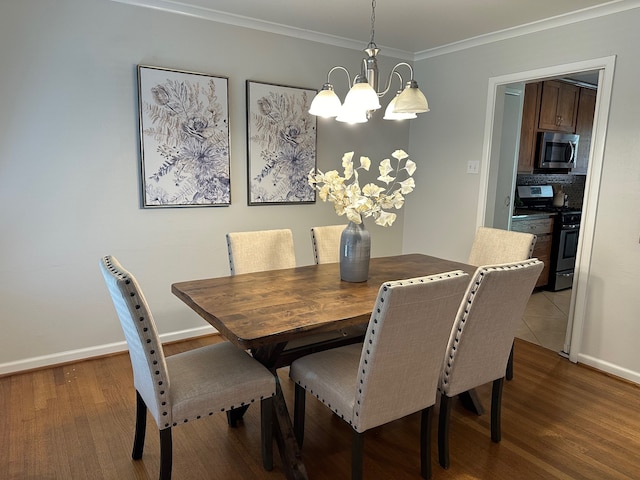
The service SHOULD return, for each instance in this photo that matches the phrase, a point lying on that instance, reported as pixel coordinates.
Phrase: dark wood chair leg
(235, 415)
(298, 414)
(443, 431)
(357, 455)
(509, 374)
(425, 443)
(266, 432)
(496, 406)
(166, 454)
(141, 427)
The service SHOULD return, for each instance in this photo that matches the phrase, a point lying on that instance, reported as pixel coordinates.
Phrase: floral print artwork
(185, 138)
(282, 144)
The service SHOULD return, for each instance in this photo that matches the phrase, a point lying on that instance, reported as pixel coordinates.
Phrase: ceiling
(409, 27)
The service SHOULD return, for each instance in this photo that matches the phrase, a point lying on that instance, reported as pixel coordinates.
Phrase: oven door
(567, 247)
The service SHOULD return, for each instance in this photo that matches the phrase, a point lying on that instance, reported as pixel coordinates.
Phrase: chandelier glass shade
(362, 100)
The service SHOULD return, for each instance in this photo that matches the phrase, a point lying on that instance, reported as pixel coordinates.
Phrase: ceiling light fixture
(363, 97)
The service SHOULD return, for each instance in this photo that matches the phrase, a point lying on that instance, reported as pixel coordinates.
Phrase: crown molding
(615, 6)
(180, 8)
(172, 6)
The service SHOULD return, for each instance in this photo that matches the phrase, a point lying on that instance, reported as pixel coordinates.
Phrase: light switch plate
(473, 166)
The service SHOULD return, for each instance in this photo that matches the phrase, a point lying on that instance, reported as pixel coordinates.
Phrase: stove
(564, 240)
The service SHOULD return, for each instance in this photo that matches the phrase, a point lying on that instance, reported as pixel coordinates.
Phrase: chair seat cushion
(214, 379)
(340, 366)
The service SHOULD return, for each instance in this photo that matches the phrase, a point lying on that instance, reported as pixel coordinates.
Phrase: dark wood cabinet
(529, 129)
(584, 128)
(542, 228)
(558, 106)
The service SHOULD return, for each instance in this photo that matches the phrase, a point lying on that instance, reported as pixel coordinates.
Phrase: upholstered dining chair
(187, 386)
(325, 242)
(481, 339)
(395, 372)
(492, 246)
(261, 250)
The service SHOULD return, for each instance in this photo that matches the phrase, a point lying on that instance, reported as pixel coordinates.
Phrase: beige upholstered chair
(326, 243)
(395, 373)
(187, 386)
(482, 337)
(492, 246)
(260, 251)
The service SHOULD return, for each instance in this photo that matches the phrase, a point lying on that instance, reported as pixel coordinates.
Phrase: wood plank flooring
(559, 421)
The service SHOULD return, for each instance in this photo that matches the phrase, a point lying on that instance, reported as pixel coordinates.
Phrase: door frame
(606, 66)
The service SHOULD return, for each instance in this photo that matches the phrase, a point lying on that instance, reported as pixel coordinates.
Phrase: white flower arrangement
(372, 200)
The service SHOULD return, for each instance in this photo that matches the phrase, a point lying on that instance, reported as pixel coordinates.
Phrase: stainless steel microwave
(558, 150)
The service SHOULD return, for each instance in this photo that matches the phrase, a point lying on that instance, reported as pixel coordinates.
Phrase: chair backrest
(402, 354)
(485, 326)
(150, 374)
(493, 246)
(260, 251)
(325, 242)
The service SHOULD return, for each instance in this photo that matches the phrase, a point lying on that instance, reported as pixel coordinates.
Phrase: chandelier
(363, 96)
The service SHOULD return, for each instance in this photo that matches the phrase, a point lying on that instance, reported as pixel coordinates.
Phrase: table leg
(471, 401)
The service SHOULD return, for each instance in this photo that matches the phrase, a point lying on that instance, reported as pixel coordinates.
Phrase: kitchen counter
(532, 214)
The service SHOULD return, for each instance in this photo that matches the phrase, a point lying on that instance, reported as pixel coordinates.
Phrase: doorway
(488, 201)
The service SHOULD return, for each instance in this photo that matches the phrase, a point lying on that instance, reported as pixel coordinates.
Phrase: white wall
(443, 219)
(69, 167)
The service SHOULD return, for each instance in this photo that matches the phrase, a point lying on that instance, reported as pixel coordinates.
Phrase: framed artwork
(184, 138)
(281, 144)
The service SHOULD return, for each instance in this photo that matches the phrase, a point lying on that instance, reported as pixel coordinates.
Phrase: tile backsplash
(573, 185)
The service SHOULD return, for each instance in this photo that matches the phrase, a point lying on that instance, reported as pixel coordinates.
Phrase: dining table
(272, 313)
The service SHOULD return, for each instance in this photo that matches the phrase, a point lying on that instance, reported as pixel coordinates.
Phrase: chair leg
(496, 407)
(425, 443)
(166, 455)
(509, 374)
(141, 427)
(357, 455)
(443, 431)
(266, 432)
(298, 414)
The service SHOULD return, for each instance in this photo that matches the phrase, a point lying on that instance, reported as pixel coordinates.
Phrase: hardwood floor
(559, 421)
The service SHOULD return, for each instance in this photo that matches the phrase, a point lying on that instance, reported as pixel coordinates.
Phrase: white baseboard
(610, 368)
(96, 351)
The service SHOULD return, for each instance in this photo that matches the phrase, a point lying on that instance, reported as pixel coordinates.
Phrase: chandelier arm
(393, 70)
(339, 67)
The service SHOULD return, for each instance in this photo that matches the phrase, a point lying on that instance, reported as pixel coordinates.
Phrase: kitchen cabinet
(558, 106)
(584, 128)
(542, 228)
(529, 128)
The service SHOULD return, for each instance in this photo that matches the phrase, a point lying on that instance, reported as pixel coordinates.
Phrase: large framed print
(184, 138)
(281, 144)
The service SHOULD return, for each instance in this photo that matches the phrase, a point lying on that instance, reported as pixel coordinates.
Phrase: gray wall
(69, 167)
(441, 219)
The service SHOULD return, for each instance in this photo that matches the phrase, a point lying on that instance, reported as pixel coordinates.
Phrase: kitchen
(552, 163)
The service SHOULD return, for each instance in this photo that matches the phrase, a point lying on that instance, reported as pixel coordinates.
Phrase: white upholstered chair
(181, 388)
(481, 339)
(395, 372)
(492, 246)
(325, 242)
(261, 250)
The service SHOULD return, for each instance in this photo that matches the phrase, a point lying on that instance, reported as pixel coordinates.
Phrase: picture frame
(281, 144)
(184, 138)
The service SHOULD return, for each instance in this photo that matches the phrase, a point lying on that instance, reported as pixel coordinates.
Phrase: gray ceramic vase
(355, 252)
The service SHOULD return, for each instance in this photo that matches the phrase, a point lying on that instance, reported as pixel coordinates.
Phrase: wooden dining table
(264, 312)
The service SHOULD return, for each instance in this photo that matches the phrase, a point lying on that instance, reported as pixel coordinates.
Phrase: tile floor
(545, 319)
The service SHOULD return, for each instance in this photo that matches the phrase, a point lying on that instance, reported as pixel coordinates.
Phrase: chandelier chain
(373, 21)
